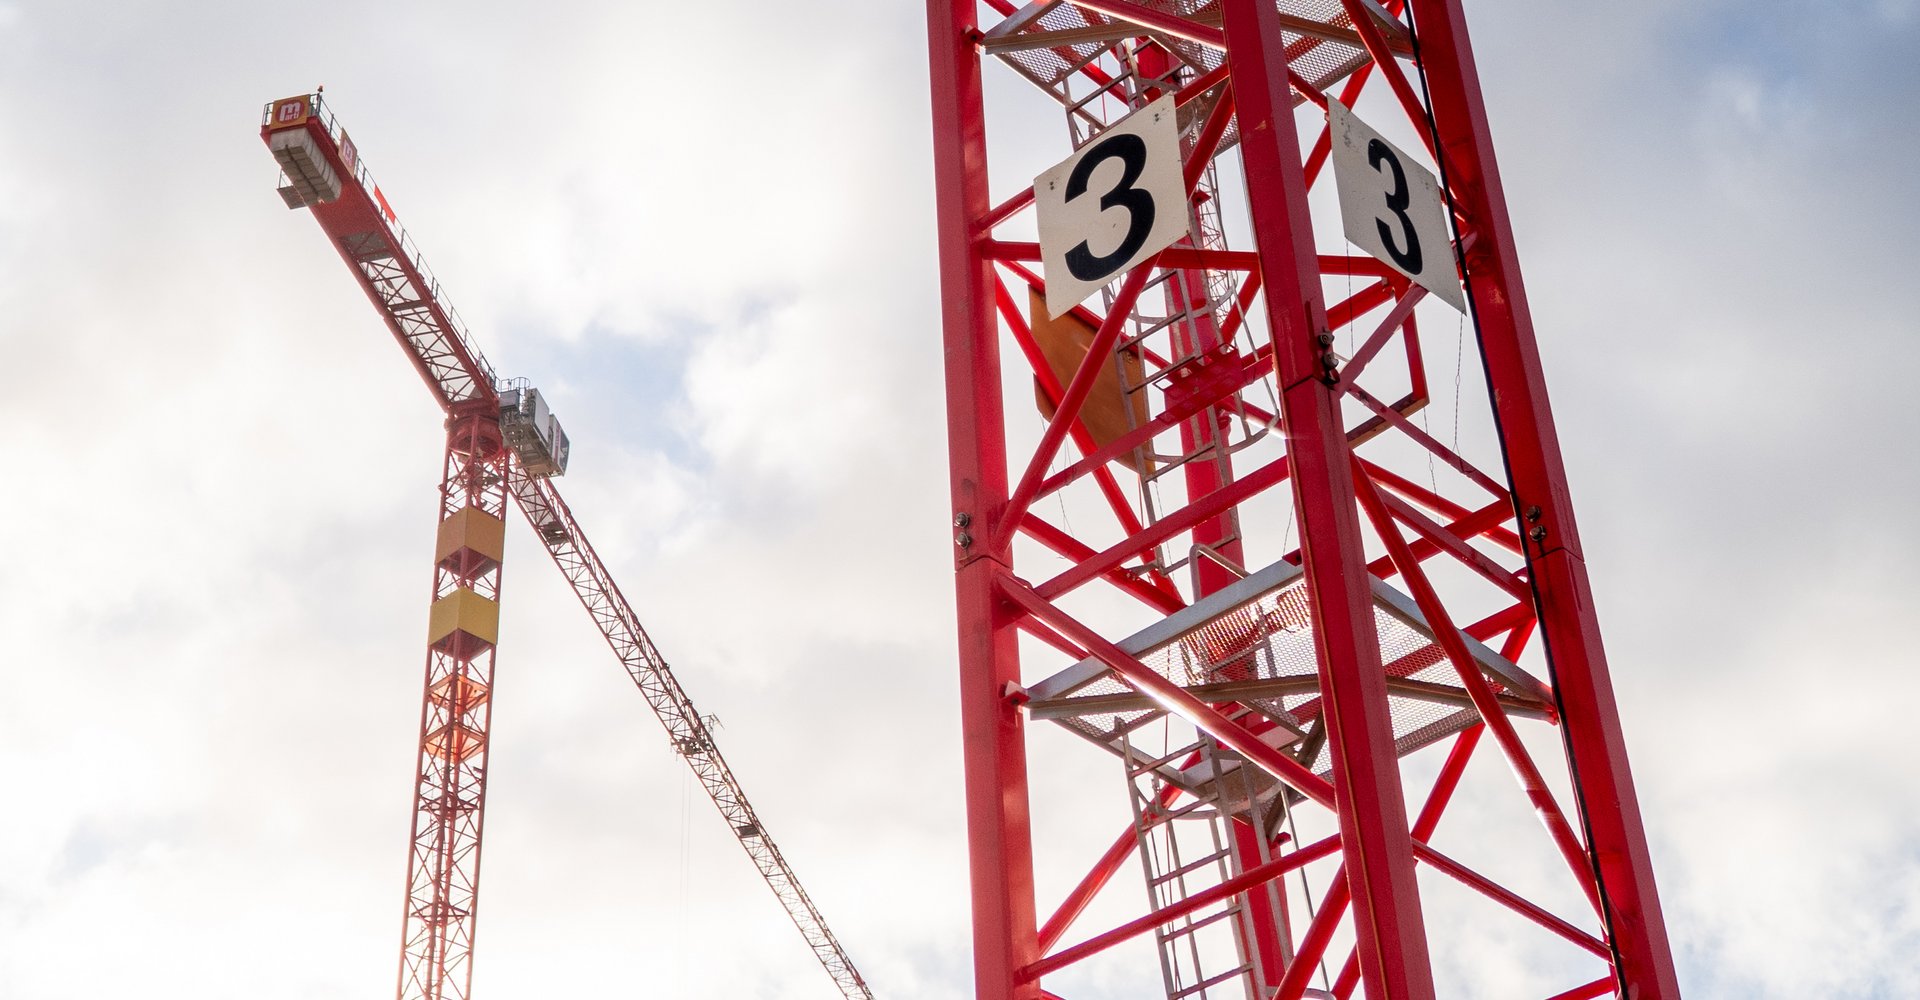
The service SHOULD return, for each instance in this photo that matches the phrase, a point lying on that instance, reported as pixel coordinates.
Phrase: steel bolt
(963, 539)
(962, 519)
(1326, 340)
(1533, 513)
(1329, 361)
(1538, 532)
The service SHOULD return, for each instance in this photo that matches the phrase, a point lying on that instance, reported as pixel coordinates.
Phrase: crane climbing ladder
(502, 441)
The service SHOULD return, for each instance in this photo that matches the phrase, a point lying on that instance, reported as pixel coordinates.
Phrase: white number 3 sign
(1115, 202)
(1391, 206)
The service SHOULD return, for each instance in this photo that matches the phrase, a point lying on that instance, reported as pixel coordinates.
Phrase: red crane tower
(1225, 401)
(502, 444)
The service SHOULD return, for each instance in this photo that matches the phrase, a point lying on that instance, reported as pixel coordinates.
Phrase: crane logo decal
(290, 112)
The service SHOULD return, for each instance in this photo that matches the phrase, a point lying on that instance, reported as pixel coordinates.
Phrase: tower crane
(1299, 585)
(503, 446)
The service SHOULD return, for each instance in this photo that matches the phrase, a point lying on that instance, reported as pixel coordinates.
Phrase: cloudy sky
(706, 230)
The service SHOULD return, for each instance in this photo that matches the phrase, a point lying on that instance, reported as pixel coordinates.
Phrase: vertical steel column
(443, 859)
(1005, 931)
(1376, 846)
(1590, 719)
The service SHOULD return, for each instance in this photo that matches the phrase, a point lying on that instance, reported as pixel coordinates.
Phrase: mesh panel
(1320, 61)
(1267, 641)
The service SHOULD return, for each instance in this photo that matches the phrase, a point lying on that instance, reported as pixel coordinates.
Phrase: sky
(706, 231)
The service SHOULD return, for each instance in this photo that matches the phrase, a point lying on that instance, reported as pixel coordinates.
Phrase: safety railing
(403, 240)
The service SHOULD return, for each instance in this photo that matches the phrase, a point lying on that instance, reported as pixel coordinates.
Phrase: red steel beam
(1383, 57)
(1313, 944)
(1067, 546)
(1427, 441)
(1596, 745)
(1067, 413)
(1000, 849)
(1376, 847)
(1501, 535)
(1100, 874)
(1598, 988)
(1050, 384)
(1171, 696)
(1440, 623)
(1508, 898)
(1147, 17)
(1246, 880)
(1452, 539)
(1399, 314)
(1273, 472)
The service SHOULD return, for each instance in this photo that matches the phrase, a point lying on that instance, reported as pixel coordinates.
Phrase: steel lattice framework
(450, 795)
(1225, 402)
(323, 171)
(594, 586)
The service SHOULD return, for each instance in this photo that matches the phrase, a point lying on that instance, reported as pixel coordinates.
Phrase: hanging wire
(1433, 477)
(1306, 887)
(1053, 468)
(1459, 354)
(686, 865)
(1352, 321)
(1446, 191)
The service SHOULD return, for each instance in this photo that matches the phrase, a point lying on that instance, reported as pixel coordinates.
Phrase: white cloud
(214, 564)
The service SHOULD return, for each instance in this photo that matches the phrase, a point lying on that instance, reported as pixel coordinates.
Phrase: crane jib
(326, 174)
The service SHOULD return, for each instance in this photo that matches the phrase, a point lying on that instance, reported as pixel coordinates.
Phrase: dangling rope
(686, 866)
(1306, 888)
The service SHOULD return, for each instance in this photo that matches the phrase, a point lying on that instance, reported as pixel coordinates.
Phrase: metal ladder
(1186, 846)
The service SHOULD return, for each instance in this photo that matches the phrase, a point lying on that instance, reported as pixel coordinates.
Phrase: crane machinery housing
(504, 447)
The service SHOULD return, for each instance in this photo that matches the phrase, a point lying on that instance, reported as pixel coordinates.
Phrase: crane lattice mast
(501, 441)
(1277, 584)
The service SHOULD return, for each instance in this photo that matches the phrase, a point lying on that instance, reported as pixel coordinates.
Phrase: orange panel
(290, 111)
(459, 694)
(1110, 411)
(460, 617)
(454, 742)
(472, 530)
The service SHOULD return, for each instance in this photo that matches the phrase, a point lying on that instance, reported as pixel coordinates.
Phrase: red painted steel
(1480, 691)
(1569, 626)
(1377, 849)
(1295, 333)
(1005, 925)
(1134, 928)
(450, 794)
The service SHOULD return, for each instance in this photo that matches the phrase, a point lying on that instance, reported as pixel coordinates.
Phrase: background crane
(502, 443)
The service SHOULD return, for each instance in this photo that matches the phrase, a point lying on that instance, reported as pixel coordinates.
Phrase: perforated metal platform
(1048, 43)
(1249, 649)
